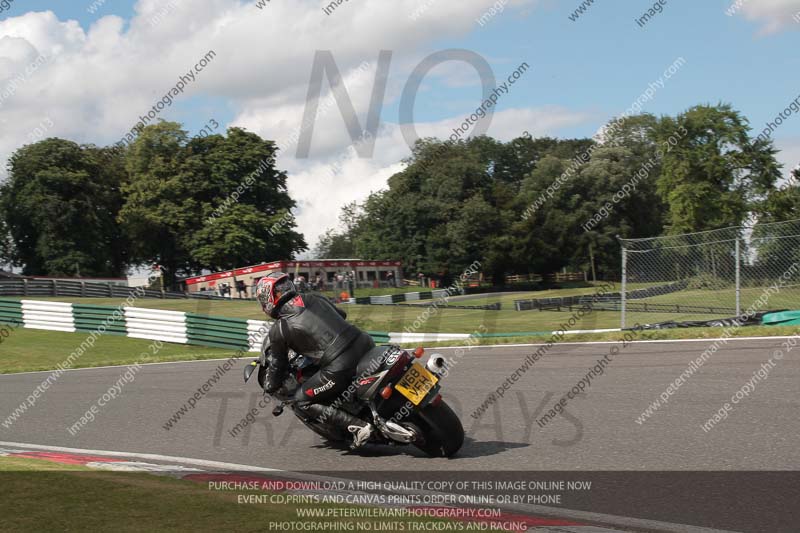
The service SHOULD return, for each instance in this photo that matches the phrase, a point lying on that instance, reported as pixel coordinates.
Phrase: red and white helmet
(270, 289)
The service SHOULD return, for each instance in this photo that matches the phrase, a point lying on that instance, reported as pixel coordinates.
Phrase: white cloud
(775, 15)
(97, 82)
(789, 154)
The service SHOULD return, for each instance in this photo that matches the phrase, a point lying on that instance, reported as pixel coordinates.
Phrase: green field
(392, 318)
(44, 496)
(647, 335)
(376, 292)
(788, 298)
(29, 349)
(453, 320)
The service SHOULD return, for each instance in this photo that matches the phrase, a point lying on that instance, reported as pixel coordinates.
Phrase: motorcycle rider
(312, 326)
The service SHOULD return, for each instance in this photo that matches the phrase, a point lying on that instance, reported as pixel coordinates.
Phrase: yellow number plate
(416, 383)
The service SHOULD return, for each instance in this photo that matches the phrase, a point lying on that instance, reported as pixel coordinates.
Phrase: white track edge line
(431, 349)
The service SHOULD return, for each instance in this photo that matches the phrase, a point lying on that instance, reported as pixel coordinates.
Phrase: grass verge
(42, 496)
(27, 350)
(655, 334)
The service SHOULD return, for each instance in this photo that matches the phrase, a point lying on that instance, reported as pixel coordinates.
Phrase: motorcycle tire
(442, 430)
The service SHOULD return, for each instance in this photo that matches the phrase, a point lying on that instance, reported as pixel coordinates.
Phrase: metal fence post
(624, 284)
(738, 279)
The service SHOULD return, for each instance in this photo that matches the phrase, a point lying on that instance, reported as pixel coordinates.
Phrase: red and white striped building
(367, 274)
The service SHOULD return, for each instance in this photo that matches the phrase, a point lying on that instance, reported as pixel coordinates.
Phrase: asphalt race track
(597, 431)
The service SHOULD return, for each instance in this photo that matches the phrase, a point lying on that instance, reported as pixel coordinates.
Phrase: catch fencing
(723, 272)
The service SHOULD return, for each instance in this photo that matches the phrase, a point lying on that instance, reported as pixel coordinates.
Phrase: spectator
(241, 288)
(390, 279)
(302, 286)
(253, 287)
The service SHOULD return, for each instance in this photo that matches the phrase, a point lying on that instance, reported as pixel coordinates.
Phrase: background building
(366, 274)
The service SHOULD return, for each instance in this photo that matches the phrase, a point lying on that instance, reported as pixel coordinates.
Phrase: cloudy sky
(102, 64)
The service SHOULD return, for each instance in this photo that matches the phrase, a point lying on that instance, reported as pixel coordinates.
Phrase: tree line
(81, 210)
(538, 205)
(530, 205)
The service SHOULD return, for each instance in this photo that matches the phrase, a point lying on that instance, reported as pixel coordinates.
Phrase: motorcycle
(391, 389)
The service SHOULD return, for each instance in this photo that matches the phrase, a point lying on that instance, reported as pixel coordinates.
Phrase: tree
(59, 209)
(6, 244)
(623, 174)
(160, 209)
(333, 245)
(439, 212)
(713, 174)
(215, 202)
(781, 203)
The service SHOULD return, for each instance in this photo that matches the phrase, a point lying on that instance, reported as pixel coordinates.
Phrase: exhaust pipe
(436, 364)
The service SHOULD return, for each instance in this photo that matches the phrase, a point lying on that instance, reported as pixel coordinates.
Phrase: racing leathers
(312, 326)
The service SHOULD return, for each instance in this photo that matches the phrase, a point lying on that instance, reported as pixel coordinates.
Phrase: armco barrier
(402, 298)
(389, 299)
(186, 328)
(551, 304)
(89, 318)
(56, 316)
(10, 312)
(140, 323)
(76, 289)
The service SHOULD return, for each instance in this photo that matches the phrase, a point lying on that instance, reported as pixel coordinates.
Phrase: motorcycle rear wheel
(443, 434)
